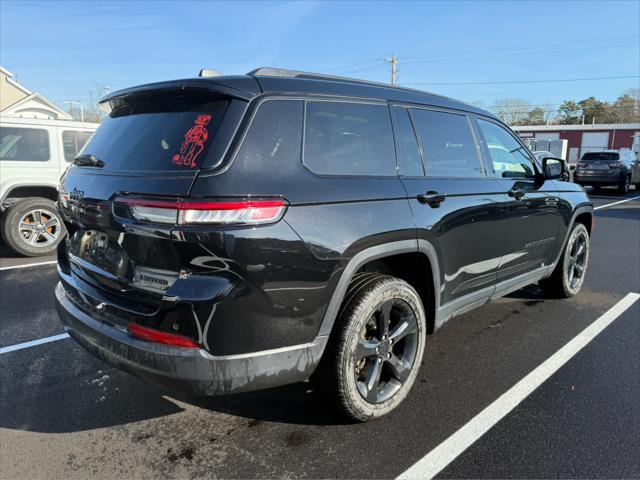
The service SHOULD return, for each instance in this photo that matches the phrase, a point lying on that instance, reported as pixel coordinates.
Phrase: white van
(33, 155)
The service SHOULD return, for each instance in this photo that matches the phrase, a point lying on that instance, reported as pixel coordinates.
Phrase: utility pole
(72, 102)
(393, 60)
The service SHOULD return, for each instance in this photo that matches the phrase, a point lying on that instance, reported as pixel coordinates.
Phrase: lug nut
(389, 355)
(379, 360)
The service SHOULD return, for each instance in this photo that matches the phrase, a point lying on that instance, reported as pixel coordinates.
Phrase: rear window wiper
(88, 160)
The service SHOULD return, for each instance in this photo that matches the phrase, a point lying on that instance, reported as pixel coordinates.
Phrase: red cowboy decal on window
(193, 144)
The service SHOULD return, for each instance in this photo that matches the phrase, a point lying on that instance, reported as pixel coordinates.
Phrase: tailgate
(152, 145)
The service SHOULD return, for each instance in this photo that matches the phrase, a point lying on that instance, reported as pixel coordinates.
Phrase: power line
(509, 53)
(351, 66)
(557, 80)
(520, 50)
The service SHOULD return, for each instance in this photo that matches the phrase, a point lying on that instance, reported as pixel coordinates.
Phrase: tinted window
(600, 157)
(24, 144)
(275, 134)
(349, 139)
(165, 130)
(510, 159)
(72, 143)
(448, 146)
(409, 159)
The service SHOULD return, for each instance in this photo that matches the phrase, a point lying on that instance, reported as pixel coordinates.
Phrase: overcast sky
(64, 49)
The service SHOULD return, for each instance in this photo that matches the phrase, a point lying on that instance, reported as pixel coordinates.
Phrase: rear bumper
(191, 371)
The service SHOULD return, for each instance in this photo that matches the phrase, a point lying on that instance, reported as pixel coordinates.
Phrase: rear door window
(159, 131)
(24, 144)
(344, 138)
(448, 146)
(73, 141)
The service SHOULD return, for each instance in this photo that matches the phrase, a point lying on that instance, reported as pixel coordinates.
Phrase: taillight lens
(203, 212)
(156, 336)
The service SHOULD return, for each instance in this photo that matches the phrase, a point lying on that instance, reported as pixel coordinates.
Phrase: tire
(568, 277)
(366, 371)
(32, 241)
(623, 188)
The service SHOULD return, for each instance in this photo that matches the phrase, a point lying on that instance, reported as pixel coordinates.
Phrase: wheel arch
(582, 214)
(24, 191)
(419, 254)
(585, 218)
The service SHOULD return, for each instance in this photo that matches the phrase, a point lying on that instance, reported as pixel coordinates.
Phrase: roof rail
(282, 72)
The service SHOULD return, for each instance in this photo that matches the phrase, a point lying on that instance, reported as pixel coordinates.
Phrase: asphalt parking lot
(64, 414)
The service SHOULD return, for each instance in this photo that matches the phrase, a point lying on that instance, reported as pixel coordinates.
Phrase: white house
(18, 101)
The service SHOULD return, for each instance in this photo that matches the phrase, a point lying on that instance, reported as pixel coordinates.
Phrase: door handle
(516, 193)
(434, 199)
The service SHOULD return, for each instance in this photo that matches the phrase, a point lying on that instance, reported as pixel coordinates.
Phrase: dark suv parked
(234, 233)
(608, 168)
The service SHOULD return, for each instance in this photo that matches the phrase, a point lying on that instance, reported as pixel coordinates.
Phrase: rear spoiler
(242, 87)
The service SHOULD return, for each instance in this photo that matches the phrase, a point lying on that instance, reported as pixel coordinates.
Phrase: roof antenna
(209, 72)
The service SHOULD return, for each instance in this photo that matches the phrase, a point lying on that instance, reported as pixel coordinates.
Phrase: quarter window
(24, 144)
(409, 158)
(344, 138)
(448, 146)
(275, 135)
(509, 157)
(72, 143)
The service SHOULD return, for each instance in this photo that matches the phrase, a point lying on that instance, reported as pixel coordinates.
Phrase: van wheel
(623, 188)
(32, 227)
(376, 349)
(568, 277)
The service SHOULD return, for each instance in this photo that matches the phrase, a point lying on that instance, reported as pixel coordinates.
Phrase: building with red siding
(586, 138)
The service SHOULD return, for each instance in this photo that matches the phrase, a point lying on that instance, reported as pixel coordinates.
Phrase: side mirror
(554, 168)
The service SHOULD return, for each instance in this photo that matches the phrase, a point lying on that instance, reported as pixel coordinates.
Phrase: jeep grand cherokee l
(235, 233)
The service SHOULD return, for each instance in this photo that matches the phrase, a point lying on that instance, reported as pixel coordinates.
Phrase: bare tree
(512, 110)
(95, 95)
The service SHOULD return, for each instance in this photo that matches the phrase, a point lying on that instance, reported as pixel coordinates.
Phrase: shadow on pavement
(294, 404)
(6, 252)
(63, 389)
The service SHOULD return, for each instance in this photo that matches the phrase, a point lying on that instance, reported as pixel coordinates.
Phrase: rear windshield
(600, 157)
(158, 131)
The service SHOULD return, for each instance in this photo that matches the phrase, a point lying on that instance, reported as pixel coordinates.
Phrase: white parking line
(13, 267)
(441, 456)
(617, 203)
(33, 343)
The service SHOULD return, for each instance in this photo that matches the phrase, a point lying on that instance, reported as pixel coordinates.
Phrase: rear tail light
(202, 212)
(156, 336)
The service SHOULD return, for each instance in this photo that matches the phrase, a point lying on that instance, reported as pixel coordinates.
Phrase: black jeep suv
(234, 233)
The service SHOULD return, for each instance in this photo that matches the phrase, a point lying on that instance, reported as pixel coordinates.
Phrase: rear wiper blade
(88, 160)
